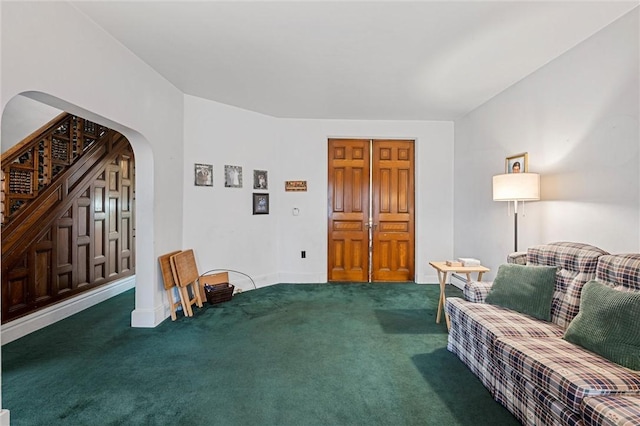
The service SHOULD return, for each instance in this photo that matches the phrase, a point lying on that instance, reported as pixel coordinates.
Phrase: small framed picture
(518, 163)
(260, 203)
(203, 174)
(260, 179)
(233, 176)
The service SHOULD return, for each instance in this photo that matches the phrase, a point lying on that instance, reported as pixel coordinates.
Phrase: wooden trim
(29, 323)
(16, 150)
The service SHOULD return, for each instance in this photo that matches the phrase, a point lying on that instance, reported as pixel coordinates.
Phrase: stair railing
(33, 164)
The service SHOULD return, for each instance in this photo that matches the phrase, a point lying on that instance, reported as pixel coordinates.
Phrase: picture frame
(260, 203)
(260, 180)
(232, 176)
(518, 163)
(203, 174)
(295, 186)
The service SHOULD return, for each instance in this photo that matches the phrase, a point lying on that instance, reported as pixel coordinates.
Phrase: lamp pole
(516, 187)
(515, 225)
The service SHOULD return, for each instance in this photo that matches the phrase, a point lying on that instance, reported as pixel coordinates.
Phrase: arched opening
(148, 305)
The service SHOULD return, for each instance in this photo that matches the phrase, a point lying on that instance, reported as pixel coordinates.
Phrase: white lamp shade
(516, 187)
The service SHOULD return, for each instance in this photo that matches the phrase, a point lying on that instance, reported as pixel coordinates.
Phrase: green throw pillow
(607, 324)
(525, 289)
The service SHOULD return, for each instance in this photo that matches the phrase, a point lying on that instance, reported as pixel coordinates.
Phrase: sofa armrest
(476, 291)
(518, 257)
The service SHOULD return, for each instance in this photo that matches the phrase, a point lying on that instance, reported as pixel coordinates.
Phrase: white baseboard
(297, 277)
(5, 418)
(243, 283)
(149, 318)
(28, 324)
(429, 278)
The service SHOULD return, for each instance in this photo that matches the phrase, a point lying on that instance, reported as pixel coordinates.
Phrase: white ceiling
(377, 60)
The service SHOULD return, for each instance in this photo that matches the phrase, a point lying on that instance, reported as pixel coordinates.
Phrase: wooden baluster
(43, 155)
(79, 138)
(2, 196)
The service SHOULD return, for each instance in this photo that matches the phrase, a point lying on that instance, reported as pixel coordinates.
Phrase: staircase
(67, 213)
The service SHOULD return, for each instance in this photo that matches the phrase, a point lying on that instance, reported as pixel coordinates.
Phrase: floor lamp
(516, 187)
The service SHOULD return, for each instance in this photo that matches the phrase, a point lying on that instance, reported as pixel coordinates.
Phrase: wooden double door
(371, 210)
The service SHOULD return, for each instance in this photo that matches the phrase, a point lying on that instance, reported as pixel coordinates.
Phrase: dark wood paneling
(78, 242)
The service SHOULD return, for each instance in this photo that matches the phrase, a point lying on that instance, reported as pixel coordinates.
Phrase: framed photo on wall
(518, 163)
(233, 176)
(260, 203)
(260, 179)
(203, 174)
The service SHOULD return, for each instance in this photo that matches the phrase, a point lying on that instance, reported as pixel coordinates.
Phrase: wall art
(295, 185)
(260, 179)
(233, 176)
(203, 174)
(518, 163)
(260, 203)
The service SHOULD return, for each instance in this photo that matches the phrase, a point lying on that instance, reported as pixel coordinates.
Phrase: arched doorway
(148, 305)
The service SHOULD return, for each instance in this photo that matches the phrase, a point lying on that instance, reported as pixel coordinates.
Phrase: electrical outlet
(303, 254)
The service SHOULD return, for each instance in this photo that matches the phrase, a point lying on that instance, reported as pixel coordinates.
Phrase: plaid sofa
(524, 362)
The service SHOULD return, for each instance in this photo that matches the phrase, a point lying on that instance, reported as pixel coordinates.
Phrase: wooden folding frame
(185, 275)
(169, 283)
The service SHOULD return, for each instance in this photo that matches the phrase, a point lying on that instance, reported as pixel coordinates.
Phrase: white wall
(21, 117)
(577, 117)
(218, 222)
(303, 152)
(92, 75)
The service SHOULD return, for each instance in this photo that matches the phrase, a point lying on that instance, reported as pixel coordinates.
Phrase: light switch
(296, 211)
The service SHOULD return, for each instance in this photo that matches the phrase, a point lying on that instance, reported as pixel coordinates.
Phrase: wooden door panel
(393, 212)
(348, 205)
(41, 273)
(404, 191)
(382, 187)
(349, 260)
(393, 260)
(83, 265)
(17, 297)
(113, 258)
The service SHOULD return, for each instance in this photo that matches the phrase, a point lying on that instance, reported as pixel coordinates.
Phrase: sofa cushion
(607, 324)
(576, 264)
(565, 371)
(617, 410)
(530, 404)
(476, 326)
(525, 289)
(488, 322)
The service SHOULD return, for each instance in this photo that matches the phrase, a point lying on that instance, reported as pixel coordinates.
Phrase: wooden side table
(443, 269)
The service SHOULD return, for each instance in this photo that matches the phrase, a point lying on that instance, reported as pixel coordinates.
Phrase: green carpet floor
(311, 354)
